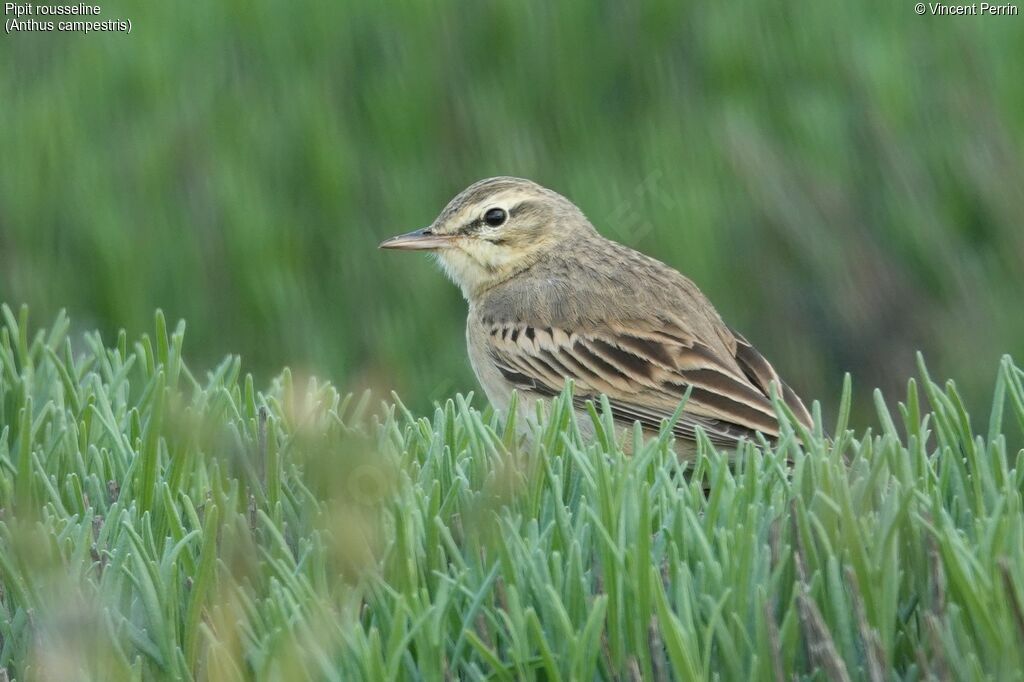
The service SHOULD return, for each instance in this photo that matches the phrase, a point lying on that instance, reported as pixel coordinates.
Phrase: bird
(552, 300)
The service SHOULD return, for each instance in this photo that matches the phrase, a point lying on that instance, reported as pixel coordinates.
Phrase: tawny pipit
(550, 299)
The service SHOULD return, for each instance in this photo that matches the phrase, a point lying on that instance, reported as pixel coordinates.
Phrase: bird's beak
(418, 240)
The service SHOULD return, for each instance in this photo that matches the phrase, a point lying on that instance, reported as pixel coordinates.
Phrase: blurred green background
(844, 180)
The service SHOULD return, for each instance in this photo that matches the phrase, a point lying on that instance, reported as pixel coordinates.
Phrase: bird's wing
(644, 370)
(762, 375)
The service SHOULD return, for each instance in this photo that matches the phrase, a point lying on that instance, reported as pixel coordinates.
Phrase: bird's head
(494, 229)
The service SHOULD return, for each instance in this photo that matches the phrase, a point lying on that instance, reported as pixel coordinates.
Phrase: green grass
(159, 524)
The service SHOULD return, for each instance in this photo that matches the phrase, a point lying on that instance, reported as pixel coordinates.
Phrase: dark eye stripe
(471, 227)
(479, 223)
(523, 207)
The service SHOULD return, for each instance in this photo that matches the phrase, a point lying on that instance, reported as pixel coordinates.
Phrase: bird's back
(625, 325)
(593, 281)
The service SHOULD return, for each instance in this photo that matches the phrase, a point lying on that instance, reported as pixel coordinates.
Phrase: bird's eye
(495, 216)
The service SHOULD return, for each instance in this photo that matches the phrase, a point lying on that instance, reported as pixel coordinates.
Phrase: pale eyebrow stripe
(523, 206)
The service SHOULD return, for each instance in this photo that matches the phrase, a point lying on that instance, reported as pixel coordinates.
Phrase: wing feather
(645, 372)
(762, 374)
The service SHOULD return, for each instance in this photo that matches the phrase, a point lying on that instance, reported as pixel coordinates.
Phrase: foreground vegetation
(157, 524)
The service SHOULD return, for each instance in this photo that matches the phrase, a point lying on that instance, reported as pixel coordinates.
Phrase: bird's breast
(497, 389)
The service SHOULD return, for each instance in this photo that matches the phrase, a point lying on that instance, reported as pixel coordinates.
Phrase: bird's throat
(477, 270)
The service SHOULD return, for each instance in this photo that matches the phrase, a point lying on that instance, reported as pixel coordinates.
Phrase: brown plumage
(551, 299)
